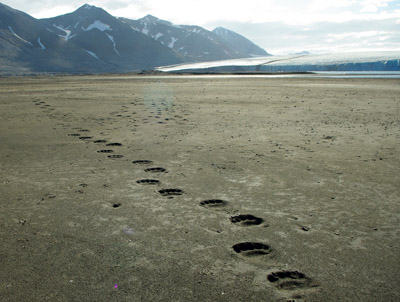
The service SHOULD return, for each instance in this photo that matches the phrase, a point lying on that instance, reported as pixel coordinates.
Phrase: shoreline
(311, 74)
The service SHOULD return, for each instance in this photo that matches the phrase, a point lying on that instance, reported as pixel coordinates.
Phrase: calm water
(359, 74)
(328, 74)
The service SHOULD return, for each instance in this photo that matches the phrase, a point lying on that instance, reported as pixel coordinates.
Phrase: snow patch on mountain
(13, 32)
(92, 54)
(77, 23)
(172, 43)
(67, 35)
(220, 31)
(98, 25)
(87, 6)
(41, 44)
(114, 44)
(157, 36)
(152, 20)
(145, 30)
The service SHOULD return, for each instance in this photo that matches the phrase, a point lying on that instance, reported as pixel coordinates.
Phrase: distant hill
(195, 43)
(90, 40)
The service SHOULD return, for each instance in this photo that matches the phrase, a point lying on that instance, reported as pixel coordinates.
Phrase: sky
(279, 26)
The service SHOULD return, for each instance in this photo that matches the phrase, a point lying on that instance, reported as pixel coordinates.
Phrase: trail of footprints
(146, 181)
(288, 280)
(282, 279)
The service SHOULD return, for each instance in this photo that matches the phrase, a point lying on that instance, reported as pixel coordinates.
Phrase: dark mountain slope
(194, 43)
(30, 45)
(108, 39)
(90, 40)
(239, 43)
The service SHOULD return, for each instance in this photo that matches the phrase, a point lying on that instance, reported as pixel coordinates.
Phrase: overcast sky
(279, 26)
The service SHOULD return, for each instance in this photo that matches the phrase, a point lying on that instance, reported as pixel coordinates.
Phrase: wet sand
(208, 189)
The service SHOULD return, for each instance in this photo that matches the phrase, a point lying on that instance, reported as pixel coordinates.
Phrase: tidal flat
(141, 188)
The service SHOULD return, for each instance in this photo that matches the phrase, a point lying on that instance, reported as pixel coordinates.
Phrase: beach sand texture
(129, 188)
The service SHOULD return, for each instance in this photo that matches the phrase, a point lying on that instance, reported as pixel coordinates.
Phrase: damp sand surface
(212, 189)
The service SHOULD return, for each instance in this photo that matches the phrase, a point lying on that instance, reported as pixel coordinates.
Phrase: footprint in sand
(105, 151)
(155, 170)
(115, 156)
(246, 220)
(290, 280)
(170, 192)
(250, 249)
(213, 203)
(114, 144)
(148, 181)
(142, 162)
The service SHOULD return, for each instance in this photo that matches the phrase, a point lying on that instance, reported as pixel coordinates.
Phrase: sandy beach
(140, 188)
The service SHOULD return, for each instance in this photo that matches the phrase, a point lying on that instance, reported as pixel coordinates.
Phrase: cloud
(372, 6)
(302, 12)
(282, 26)
(322, 37)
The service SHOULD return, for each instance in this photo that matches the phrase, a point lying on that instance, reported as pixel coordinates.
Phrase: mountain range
(90, 40)
(194, 43)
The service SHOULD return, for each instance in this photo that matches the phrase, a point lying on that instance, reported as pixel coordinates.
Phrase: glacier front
(350, 61)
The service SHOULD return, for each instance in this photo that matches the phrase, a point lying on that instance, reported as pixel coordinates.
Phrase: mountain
(86, 41)
(111, 41)
(27, 44)
(195, 43)
(90, 40)
(240, 44)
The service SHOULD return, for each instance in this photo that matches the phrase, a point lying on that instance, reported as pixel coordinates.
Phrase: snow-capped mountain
(91, 40)
(108, 39)
(240, 44)
(87, 40)
(195, 43)
(28, 44)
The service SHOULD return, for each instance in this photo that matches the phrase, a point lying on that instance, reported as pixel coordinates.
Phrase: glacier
(351, 61)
